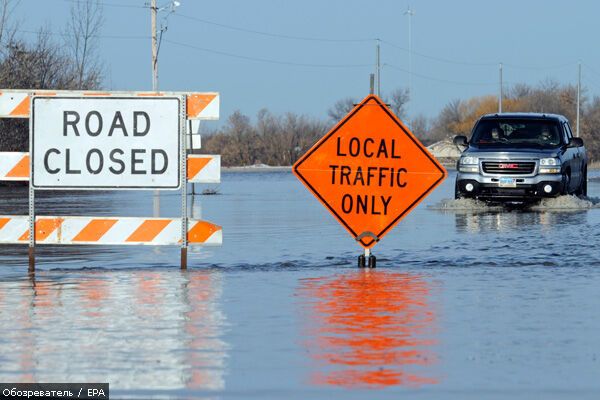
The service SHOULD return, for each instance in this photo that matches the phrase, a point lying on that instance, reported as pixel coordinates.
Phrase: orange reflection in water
(370, 328)
(204, 322)
(94, 294)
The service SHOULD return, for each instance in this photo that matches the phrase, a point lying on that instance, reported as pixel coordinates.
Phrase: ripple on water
(562, 203)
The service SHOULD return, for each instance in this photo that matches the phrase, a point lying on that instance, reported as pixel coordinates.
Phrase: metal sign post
(31, 229)
(182, 174)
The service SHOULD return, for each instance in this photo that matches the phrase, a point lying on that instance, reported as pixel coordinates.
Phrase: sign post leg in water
(183, 177)
(31, 229)
(367, 260)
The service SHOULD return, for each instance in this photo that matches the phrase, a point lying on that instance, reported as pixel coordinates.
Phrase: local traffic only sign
(105, 142)
(369, 171)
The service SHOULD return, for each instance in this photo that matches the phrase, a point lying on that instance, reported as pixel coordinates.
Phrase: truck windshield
(517, 133)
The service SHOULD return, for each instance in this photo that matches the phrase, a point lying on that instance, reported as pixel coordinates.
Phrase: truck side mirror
(461, 141)
(576, 142)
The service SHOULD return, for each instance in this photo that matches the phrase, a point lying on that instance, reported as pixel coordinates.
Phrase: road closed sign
(105, 142)
(370, 171)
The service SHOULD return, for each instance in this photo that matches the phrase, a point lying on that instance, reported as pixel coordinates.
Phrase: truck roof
(525, 115)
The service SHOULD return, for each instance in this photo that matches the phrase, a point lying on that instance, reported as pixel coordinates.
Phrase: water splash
(568, 202)
(470, 205)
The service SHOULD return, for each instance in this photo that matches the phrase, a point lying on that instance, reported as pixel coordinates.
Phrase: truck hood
(512, 152)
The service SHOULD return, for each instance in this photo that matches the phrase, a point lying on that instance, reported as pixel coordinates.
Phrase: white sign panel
(105, 142)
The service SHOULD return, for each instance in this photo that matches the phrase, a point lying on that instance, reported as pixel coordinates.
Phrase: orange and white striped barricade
(14, 166)
(201, 168)
(199, 106)
(108, 231)
(56, 112)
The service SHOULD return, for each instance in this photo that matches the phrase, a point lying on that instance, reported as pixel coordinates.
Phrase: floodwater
(467, 301)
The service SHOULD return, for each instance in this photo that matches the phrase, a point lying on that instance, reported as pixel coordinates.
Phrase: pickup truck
(520, 157)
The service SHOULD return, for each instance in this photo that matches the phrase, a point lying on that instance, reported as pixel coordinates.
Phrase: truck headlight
(468, 164)
(468, 160)
(549, 161)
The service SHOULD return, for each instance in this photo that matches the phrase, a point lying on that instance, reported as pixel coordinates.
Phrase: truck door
(575, 160)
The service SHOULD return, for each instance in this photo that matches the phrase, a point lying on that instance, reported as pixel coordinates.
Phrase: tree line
(281, 140)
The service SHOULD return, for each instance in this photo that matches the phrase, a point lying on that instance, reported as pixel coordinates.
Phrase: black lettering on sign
(345, 173)
(117, 161)
(154, 153)
(361, 204)
(135, 160)
(118, 123)
(385, 202)
(70, 121)
(88, 129)
(370, 174)
(394, 155)
(136, 131)
(399, 180)
(382, 150)
(347, 204)
(359, 177)
(339, 150)
(368, 153)
(366, 204)
(68, 169)
(382, 174)
(46, 165)
(100, 162)
(333, 168)
(354, 147)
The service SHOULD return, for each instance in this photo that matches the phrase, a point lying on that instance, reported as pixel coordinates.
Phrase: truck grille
(508, 167)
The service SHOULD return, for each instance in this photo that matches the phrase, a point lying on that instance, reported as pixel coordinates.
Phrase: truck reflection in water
(370, 329)
(507, 221)
(151, 329)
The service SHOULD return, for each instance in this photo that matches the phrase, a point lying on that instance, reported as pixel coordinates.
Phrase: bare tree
(341, 108)
(7, 33)
(81, 38)
(398, 100)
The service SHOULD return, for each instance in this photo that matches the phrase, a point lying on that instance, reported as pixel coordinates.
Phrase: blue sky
(457, 46)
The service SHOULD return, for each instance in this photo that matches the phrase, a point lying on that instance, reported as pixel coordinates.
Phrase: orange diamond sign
(370, 171)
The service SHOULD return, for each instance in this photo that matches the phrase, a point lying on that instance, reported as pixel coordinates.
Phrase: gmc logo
(509, 166)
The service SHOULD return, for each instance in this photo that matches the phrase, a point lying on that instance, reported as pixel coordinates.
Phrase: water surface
(467, 301)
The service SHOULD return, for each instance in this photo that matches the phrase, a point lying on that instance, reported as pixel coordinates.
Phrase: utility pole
(153, 12)
(372, 83)
(378, 67)
(578, 97)
(500, 95)
(410, 14)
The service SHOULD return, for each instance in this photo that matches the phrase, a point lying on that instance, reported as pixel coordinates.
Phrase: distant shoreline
(257, 168)
(282, 168)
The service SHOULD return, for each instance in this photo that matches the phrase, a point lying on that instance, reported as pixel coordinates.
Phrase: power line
(591, 69)
(266, 60)
(270, 34)
(106, 4)
(439, 59)
(538, 68)
(431, 78)
(72, 35)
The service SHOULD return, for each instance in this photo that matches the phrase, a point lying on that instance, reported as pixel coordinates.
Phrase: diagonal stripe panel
(21, 169)
(44, 227)
(94, 230)
(148, 230)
